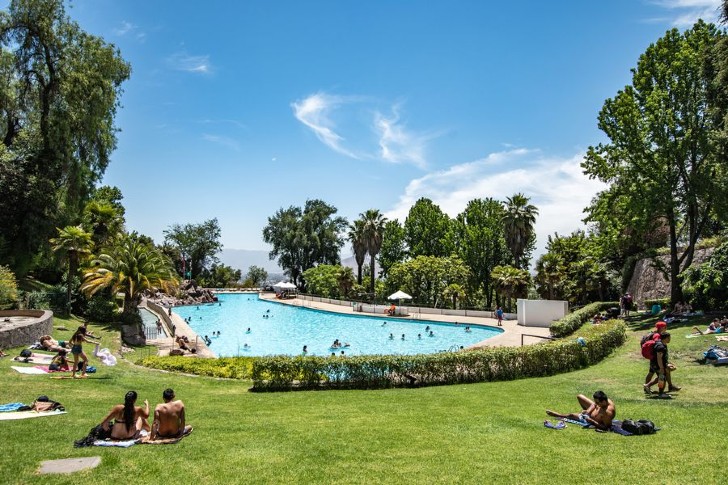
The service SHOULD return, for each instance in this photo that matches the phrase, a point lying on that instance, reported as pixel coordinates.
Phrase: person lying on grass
(49, 343)
(714, 327)
(169, 418)
(598, 413)
(128, 420)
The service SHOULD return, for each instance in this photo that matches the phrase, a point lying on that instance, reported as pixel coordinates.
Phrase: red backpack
(647, 344)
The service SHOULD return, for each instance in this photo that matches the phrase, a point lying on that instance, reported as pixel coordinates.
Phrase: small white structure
(540, 313)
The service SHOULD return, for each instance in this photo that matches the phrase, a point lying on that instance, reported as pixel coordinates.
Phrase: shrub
(8, 288)
(227, 367)
(101, 309)
(491, 364)
(571, 322)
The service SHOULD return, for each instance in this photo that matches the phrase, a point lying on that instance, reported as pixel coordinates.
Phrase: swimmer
(427, 328)
(248, 330)
(467, 329)
(402, 336)
(342, 353)
(419, 335)
(246, 346)
(384, 324)
(305, 349)
(333, 354)
(431, 334)
(268, 310)
(391, 336)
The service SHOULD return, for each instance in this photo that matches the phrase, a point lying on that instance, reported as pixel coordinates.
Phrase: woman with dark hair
(76, 341)
(129, 420)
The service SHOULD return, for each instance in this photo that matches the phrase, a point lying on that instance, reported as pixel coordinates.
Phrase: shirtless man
(598, 413)
(169, 418)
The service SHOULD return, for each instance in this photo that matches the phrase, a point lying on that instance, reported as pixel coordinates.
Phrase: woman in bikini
(129, 420)
(76, 341)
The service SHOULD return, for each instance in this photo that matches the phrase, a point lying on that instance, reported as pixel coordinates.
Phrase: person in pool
(128, 420)
(391, 336)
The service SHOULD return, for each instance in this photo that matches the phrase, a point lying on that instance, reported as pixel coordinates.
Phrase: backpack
(647, 345)
(45, 404)
(643, 426)
(97, 433)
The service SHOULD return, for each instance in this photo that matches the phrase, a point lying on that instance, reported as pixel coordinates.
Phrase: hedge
(227, 367)
(492, 364)
(573, 321)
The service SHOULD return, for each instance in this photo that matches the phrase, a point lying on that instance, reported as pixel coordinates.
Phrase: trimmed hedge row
(573, 321)
(491, 364)
(227, 367)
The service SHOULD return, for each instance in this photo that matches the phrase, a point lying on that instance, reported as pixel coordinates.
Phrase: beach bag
(647, 345)
(96, 433)
(26, 353)
(640, 427)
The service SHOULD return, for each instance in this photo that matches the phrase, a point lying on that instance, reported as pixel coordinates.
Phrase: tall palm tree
(518, 222)
(75, 242)
(358, 245)
(373, 229)
(131, 268)
(510, 282)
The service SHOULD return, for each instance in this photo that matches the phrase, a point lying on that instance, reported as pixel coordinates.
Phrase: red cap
(661, 324)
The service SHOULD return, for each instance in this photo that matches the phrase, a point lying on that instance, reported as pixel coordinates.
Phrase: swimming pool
(286, 329)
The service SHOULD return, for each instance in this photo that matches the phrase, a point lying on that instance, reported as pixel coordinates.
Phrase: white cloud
(370, 135)
(314, 112)
(222, 140)
(689, 11)
(195, 64)
(124, 28)
(555, 185)
(396, 143)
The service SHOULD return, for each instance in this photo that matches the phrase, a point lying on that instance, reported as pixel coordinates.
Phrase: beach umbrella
(399, 295)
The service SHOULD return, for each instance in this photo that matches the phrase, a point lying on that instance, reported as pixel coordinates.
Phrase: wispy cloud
(397, 144)
(181, 61)
(556, 185)
(687, 12)
(127, 29)
(357, 127)
(222, 140)
(314, 112)
(235, 123)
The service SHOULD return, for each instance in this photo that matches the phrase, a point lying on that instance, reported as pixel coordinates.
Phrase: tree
(662, 158)
(480, 242)
(393, 249)
(220, 276)
(358, 245)
(426, 230)
(196, 243)
(103, 215)
(59, 91)
(705, 284)
(75, 242)
(8, 288)
(427, 277)
(304, 238)
(510, 283)
(256, 276)
(518, 221)
(131, 268)
(329, 281)
(372, 231)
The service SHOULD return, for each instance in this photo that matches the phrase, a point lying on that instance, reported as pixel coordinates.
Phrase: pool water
(286, 329)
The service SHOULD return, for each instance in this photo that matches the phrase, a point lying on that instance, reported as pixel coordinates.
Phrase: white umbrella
(399, 295)
(284, 285)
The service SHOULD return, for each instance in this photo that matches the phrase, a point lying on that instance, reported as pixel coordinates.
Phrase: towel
(30, 370)
(13, 406)
(28, 414)
(122, 443)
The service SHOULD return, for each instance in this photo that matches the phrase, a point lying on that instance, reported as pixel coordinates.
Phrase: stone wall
(649, 283)
(25, 332)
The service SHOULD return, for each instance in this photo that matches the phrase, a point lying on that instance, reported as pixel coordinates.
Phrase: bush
(101, 309)
(8, 288)
(227, 367)
(491, 364)
(573, 321)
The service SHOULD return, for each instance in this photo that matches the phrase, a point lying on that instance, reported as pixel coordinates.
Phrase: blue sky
(236, 109)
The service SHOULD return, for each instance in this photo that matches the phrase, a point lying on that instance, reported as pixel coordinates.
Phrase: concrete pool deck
(511, 336)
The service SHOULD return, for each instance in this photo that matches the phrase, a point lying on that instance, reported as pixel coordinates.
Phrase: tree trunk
(371, 271)
(358, 273)
(676, 293)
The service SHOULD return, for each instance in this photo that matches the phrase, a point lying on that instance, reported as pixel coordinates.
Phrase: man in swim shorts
(169, 418)
(598, 413)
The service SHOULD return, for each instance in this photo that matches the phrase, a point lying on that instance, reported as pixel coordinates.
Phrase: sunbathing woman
(714, 327)
(76, 341)
(129, 420)
(49, 343)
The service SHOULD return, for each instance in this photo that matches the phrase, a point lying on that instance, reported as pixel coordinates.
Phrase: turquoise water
(287, 329)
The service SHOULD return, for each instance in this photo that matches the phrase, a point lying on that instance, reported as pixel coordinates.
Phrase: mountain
(243, 259)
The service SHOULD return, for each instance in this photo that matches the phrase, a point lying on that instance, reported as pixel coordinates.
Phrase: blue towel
(13, 406)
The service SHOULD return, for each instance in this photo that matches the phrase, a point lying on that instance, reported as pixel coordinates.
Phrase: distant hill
(243, 259)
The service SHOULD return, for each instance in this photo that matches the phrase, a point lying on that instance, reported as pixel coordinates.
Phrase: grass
(476, 433)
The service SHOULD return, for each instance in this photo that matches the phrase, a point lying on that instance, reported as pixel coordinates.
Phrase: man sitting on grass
(169, 418)
(598, 413)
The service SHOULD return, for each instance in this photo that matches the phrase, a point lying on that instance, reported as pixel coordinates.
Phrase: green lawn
(478, 433)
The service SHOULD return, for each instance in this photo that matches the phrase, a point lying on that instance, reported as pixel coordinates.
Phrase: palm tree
(75, 242)
(131, 268)
(359, 245)
(510, 282)
(372, 228)
(550, 274)
(518, 221)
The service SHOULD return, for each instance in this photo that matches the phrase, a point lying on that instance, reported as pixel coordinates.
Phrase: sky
(237, 109)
